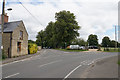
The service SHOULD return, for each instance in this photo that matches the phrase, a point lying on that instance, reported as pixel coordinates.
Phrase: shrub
(4, 56)
(32, 48)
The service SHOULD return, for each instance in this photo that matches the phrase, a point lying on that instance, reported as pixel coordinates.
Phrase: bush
(4, 56)
(32, 48)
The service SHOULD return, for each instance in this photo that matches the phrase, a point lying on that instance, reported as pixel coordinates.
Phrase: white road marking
(11, 63)
(12, 75)
(49, 63)
(87, 62)
(71, 72)
(91, 63)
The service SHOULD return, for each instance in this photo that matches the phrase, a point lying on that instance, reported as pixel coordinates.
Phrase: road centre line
(71, 72)
(49, 63)
(12, 75)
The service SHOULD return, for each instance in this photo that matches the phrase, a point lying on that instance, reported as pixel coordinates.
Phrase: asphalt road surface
(53, 64)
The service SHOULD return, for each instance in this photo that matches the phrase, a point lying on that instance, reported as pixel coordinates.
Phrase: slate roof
(10, 26)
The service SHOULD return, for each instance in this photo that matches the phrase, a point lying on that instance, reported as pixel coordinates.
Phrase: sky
(94, 16)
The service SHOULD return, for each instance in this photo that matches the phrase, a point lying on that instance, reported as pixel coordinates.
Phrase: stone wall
(16, 38)
(6, 42)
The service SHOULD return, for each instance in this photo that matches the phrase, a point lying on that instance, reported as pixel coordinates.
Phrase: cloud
(95, 17)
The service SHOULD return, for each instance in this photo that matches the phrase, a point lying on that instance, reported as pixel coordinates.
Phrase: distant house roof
(10, 26)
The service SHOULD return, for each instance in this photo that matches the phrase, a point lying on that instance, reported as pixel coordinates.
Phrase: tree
(49, 30)
(106, 42)
(31, 41)
(80, 42)
(66, 27)
(113, 43)
(92, 40)
(40, 38)
(59, 33)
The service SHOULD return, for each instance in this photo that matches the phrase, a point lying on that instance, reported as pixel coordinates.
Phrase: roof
(10, 26)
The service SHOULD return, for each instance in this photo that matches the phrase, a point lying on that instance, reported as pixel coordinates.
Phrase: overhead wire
(30, 13)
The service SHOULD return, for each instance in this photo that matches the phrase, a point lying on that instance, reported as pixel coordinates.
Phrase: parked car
(82, 47)
(74, 46)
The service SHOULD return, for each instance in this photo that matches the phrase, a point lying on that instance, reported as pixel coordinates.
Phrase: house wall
(6, 42)
(16, 38)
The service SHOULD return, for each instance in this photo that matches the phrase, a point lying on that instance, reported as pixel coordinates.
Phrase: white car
(74, 46)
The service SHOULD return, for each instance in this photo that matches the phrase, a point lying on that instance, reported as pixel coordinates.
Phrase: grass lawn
(71, 50)
(111, 50)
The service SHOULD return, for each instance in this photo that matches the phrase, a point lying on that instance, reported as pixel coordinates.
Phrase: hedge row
(32, 48)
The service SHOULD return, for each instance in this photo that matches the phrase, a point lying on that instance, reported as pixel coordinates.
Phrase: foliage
(113, 42)
(119, 62)
(80, 42)
(4, 56)
(92, 40)
(32, 48)
(106, 42)
(40, 38)
(31, 41)
(59, 33)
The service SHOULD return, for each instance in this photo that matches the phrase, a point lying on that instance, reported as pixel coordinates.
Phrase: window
(18, 46)
(21, 35)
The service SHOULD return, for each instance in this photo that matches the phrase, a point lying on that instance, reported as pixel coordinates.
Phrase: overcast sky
(94, 16)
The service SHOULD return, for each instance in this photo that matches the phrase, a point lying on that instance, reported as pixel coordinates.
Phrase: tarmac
(106, 68)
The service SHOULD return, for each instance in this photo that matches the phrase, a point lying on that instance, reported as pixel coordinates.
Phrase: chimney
(5, 18)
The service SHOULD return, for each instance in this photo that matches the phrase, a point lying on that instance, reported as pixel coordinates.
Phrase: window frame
(21, 35)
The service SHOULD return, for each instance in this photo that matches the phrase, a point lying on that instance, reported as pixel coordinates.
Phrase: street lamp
(9, 9)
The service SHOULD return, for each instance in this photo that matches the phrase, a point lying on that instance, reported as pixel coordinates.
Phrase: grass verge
(71, 50)
(111, 50)
(119, 62)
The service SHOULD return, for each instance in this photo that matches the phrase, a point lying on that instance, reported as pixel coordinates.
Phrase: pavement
(59, 64)
(8, 60)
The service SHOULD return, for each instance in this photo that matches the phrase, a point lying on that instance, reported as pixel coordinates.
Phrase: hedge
(32, 48)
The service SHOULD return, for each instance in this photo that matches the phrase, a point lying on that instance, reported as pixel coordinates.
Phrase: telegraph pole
(115, 38)
(2, 23)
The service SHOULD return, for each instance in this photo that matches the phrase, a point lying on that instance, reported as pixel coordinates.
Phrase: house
(15, 38)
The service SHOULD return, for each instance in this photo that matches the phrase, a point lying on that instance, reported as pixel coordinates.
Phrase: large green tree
(61, 32)
(106, 41)
(92, 40)
(66, 27)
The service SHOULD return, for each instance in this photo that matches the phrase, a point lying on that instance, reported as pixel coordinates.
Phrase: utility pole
(115, 38)
(2, 23)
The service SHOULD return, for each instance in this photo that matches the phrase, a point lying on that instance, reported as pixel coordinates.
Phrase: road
(53, 64)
